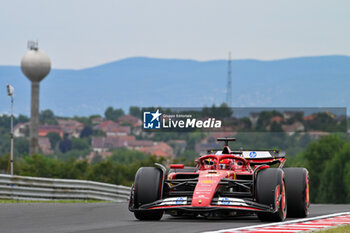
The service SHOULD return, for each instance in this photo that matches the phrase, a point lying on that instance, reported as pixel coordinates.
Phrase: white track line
(279, 223)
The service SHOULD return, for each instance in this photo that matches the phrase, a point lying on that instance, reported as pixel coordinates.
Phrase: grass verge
(341, 229)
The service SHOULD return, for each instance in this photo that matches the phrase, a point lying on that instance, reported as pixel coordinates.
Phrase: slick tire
(297, 188)
(270, 190)
(147, 189)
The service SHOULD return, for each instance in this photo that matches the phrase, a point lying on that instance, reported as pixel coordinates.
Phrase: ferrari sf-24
(225, 182)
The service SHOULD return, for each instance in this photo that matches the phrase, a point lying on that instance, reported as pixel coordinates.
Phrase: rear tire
(297, 187)
(147, 189)
(269, 186)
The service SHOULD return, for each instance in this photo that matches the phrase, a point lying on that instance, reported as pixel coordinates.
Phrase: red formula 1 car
(223, 183)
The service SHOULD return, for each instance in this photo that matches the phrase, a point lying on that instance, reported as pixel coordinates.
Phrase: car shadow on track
(209, 218)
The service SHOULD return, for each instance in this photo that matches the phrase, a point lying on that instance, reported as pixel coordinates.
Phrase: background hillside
(296, 82)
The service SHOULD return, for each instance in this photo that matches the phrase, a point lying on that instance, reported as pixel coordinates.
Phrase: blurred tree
(332, 187)
(135, 111)
(79, 144)
(47, 117)
(22, 119)
(188, 155)
(113, 114)
(96, 159)
(316, 157)
(125, 156)
(265, 119)
(54, 138)
(86, 132)
(5, 123)
(65, 145)
(346, 180)
(98, 132)
(21, 146)
(104, 172)
(85, 120)
(276, 127)
(222, 111)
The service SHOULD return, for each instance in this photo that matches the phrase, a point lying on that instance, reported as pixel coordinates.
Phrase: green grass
(342, 229)
(50, 201)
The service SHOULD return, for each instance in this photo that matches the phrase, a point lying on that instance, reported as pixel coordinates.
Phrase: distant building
(21, 130)
(103, 144)
(293, 128)
(130, 120)
(290, 114)
(46, 129)
(119, 131)
(97, 120)
(253, 117)
(310, 117)
(112, 128)
(45, 145)
(71, 127)
(276, 119)
(105, 125)
(160, 149)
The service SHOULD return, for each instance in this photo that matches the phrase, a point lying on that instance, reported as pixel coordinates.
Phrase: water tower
(35, 65)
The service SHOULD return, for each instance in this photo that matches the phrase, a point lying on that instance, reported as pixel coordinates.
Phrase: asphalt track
(115, 218)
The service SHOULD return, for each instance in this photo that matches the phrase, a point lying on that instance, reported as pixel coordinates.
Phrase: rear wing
(263, 154)
(256, 154)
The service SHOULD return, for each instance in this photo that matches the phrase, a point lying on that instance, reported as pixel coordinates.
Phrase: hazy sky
(84, 33)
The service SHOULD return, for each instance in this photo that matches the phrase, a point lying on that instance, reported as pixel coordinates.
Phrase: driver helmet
(209, 164)
(225, 164)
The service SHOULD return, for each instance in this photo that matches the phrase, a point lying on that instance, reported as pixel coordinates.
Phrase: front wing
(217, 204)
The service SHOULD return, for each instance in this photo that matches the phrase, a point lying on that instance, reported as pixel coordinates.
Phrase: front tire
(270, 190)
(147, 189)
(297, 187)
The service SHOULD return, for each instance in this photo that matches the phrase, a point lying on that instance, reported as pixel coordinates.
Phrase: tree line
(119, 168)
(328, 163)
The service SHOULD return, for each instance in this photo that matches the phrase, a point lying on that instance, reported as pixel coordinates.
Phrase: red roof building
(131, 120)
(71, 127)
(276, 119)
(46, 129)
(160, 149)
(113, 129)
(106, 125)
(310, 117)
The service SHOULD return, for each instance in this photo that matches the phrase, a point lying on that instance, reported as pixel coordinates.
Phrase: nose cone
(206, 187)
(36, 65)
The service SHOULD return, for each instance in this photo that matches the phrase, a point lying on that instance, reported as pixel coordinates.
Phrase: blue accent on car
(252, 154)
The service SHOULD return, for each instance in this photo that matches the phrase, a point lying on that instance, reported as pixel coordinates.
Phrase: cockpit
(216, 163)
